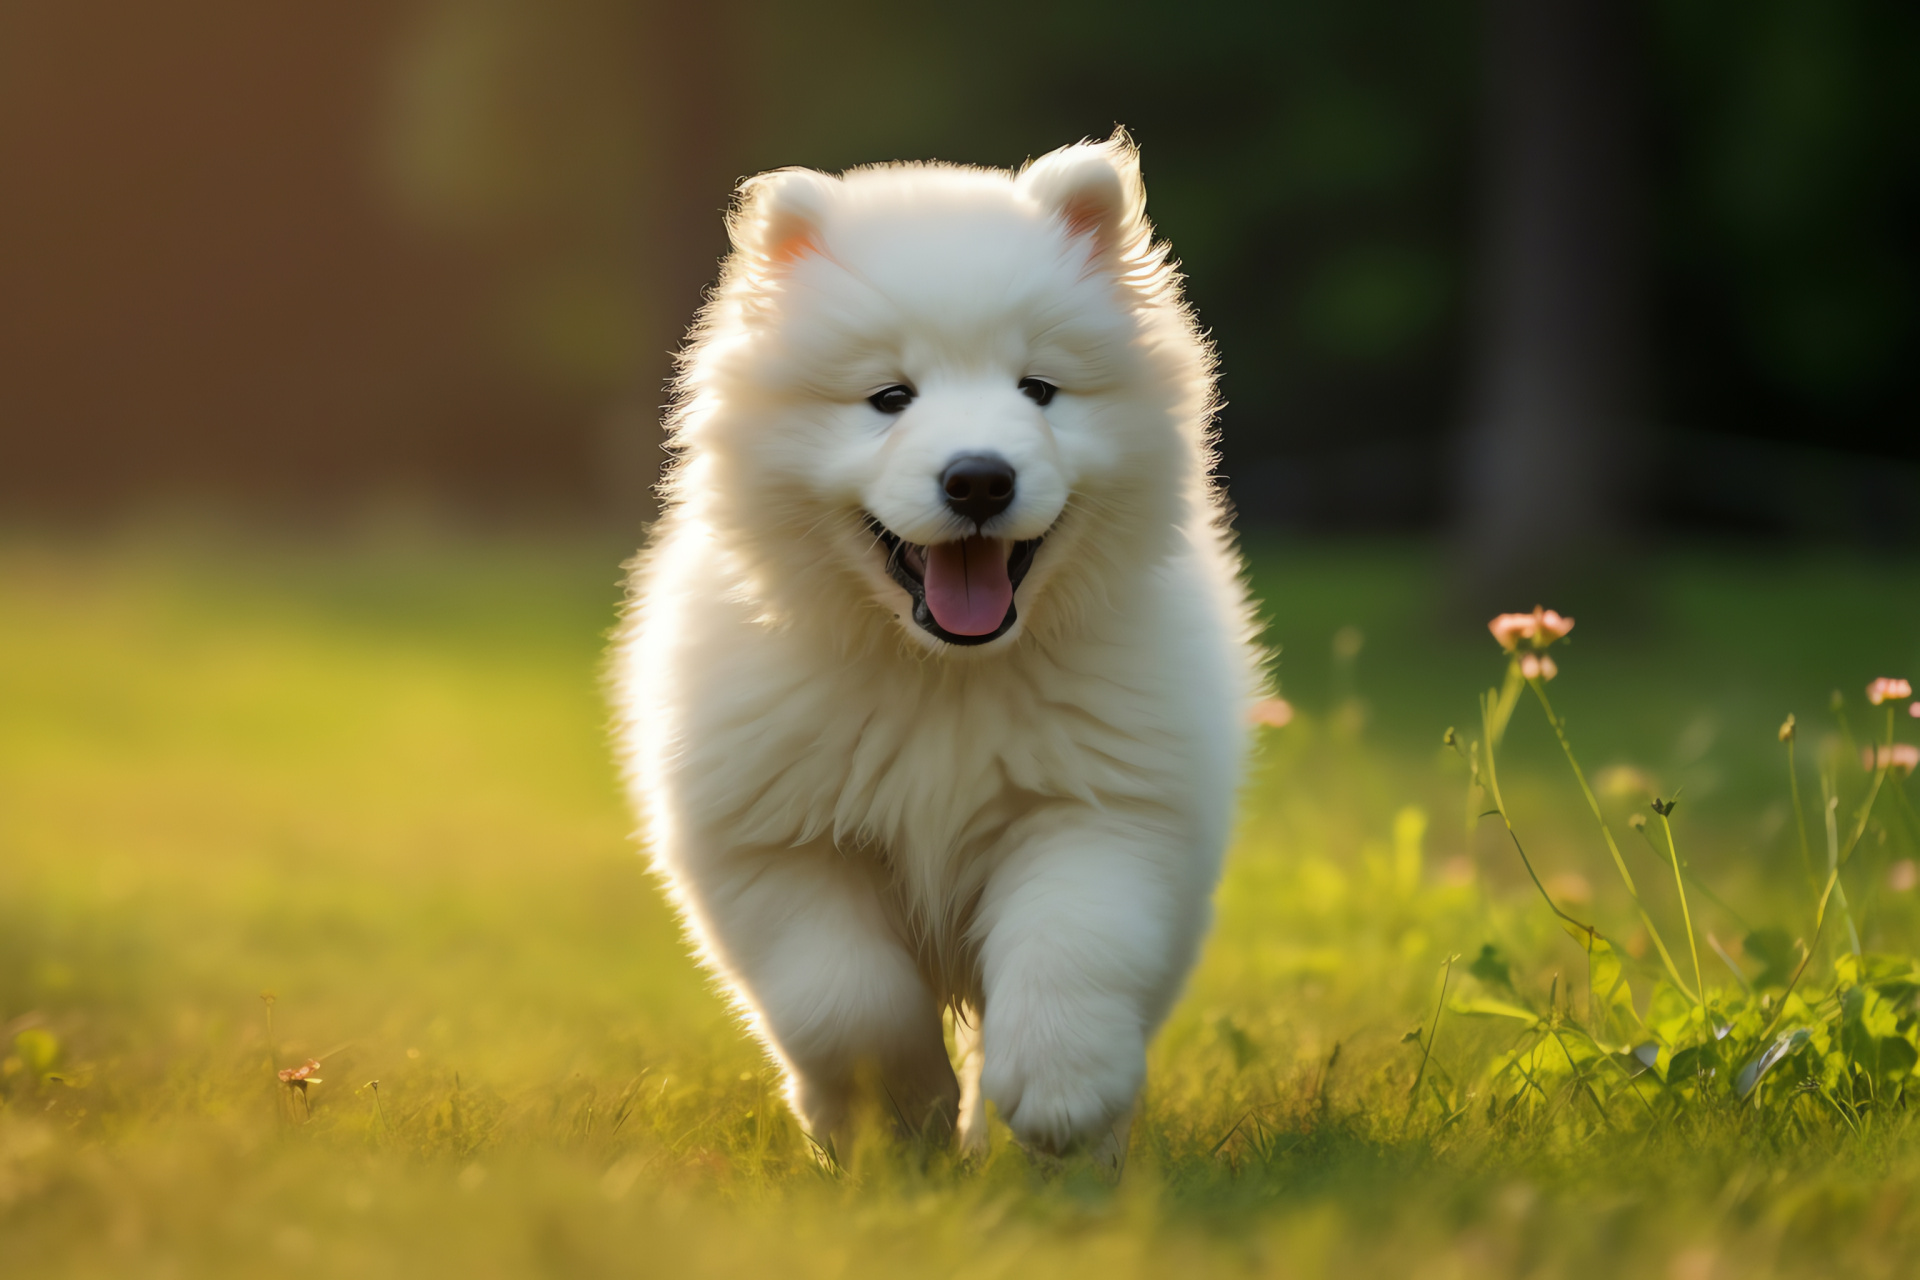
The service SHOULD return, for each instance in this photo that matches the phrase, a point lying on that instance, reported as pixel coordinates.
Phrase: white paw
(1065, 1086)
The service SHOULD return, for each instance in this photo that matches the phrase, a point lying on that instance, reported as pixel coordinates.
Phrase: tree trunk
(1554, 441)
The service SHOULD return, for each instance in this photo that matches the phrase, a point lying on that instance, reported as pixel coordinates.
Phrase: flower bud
(1538, 666)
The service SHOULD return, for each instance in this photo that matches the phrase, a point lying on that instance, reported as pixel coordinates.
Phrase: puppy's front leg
(1086, 931)
(801, 936)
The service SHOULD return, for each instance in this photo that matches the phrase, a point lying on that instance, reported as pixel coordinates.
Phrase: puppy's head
(948, 391)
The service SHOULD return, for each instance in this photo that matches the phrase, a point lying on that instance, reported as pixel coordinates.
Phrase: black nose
(979, 486)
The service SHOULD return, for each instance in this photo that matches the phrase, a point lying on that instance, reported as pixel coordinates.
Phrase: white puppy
(933, 684)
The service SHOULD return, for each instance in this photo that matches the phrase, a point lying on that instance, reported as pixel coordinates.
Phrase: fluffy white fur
(860, 823)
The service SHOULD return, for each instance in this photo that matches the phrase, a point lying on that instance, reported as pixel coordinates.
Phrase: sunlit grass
(371, 780)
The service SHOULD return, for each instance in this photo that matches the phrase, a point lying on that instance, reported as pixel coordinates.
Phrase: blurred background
(1553, 279)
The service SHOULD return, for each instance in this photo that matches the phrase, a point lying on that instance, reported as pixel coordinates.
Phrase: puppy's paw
(1059, 1092)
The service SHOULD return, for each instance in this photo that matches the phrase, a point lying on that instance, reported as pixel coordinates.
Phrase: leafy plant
(1843, 1047)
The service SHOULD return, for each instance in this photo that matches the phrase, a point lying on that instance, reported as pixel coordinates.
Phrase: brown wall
(203, 287)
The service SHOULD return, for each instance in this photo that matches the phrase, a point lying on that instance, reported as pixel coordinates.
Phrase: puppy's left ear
(1095, 188)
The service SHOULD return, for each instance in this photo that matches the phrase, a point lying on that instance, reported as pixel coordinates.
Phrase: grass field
(369, 777)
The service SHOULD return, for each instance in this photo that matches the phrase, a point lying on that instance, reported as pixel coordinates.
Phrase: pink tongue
(968, 591)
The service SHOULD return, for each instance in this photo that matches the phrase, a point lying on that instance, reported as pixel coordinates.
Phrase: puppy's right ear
(779, 214)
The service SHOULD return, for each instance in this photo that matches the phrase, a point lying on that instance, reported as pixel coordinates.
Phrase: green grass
(371, 778)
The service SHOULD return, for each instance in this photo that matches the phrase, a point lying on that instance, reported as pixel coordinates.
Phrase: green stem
(1591, 932)
(1883, 765)
(1686, 915)
(1835, 858)
(1580, 1077)
(1488, 772)
(1492, 776)
(1819, 923)
(1579, 775)
(1620, 863)
(1503, 704)
(1866, 810)
(1800, 816)
(1592, 935)
(1426, 1050)
(1700, 886)
(1846, 725)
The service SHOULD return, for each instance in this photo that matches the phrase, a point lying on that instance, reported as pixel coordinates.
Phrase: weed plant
(1775, 1050)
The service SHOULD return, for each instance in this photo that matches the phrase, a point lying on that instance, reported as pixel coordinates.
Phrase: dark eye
(891, 399)
(1038, 390)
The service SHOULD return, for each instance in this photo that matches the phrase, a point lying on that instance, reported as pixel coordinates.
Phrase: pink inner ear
(1084, 216)
(795, 245)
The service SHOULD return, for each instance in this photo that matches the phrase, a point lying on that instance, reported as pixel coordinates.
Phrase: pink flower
(1913, 709)
(1538, 667)
(1541, 627)
(1903, 756)
(1552, 626)
(1903, 876)
(1274, 713)
(1511, 628)
(1888, 689)
(302, 1075)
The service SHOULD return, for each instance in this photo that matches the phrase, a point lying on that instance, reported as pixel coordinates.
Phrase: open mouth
(962, 591)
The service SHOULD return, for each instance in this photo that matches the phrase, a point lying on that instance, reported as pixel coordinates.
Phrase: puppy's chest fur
(926, 770)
